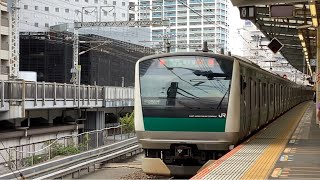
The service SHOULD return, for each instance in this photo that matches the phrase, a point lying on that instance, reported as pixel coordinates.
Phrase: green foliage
(128, 123)
(84, 145)
(36, 159)
(59, 149)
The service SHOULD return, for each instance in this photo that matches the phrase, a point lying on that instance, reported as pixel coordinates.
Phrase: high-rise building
(5, 41)
(191, 22)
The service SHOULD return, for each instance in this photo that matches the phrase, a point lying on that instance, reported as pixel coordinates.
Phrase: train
(192, 107)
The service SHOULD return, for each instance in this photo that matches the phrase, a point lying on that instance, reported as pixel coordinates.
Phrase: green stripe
(185, 124)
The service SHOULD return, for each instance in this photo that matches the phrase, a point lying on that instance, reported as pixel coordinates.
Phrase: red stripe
(214, 165)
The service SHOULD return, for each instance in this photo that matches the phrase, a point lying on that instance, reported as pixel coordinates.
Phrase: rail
(28, 155)
(69, 165)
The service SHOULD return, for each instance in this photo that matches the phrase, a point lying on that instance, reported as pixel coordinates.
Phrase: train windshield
(186, 81)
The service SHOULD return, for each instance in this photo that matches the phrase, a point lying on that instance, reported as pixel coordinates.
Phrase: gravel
(141, 175)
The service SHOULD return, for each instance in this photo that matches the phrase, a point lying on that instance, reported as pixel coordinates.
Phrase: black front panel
(184, 86)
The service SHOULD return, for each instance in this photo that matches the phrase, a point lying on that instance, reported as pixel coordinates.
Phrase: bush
(128, 123)
(36, 159)
(59, 149)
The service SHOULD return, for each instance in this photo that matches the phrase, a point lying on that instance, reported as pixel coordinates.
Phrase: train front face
(181, 109)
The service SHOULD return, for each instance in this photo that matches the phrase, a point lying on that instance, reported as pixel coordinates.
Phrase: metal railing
(42, 91)
(27, 155)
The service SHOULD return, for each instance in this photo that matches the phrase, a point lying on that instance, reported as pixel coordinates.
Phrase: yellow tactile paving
(263, 165)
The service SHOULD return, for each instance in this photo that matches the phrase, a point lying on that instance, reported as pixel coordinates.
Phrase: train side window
(271, 93)
(243, 84)
(264, 94)
(257, 93)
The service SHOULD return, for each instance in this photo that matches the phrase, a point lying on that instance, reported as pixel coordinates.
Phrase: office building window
(36, 7)
(114, 14)
(46, 8)
(95, 1)
(76, 0)
(105, 2)
(66, 10)
(25, 6)
(57, 9)
(105, 13)
(46, 24)
(36, 24)
(123, 15)
(86, 0)
(123, 3)
(114, 2)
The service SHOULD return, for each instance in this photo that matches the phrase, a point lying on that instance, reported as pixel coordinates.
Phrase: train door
(280, 99)
(253, 108)
(277, 99)
(261, 104)
(266, 101)
(249, 106)
(244, 129)
(272, 106)
(258, 101)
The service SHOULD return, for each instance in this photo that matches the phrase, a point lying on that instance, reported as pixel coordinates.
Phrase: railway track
(73, 165)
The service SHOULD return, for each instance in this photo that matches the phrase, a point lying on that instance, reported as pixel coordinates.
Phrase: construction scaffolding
(50, 55)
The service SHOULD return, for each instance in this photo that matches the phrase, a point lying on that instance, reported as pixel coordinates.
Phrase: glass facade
(191, 22)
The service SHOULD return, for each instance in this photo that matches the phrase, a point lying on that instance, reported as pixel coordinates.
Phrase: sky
(235, 23)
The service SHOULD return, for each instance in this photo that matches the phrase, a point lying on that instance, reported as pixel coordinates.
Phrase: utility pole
(13, 7)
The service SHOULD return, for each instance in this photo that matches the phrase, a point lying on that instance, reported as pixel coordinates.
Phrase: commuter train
(193, 107)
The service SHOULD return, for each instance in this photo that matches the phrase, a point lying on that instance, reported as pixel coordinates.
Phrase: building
(39, 15)
(191, 22)
(50, 55)
(5, 41)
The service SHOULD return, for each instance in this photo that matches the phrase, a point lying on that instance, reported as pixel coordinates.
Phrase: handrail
(43, 91)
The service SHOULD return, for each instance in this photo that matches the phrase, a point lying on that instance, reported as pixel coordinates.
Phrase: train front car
(182, 116)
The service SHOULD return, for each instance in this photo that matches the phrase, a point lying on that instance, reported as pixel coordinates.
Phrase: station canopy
(286, 20)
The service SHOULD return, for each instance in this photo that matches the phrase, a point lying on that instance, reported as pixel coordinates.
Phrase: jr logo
(222, 115)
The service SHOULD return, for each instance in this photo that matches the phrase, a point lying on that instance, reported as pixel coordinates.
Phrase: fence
(42, 91)
(30, 154)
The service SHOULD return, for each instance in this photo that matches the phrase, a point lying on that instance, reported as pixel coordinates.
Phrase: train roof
(210, 54)
(186, 54)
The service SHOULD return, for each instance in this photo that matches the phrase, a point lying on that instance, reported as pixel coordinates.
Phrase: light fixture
(313, 11)
(304, 49)
(301, 36)
(315, 21)
(313, 8)
(303, 44)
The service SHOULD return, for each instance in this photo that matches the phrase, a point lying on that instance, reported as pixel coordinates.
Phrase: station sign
(281, 11)
(247, 12)
(313, 62)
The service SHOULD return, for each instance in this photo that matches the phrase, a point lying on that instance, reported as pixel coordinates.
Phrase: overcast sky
(235, 41)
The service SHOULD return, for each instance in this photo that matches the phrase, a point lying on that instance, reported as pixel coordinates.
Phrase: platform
(288, 148)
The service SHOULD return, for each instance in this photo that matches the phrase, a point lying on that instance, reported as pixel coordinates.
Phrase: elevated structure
(19, 96)
(286, 28)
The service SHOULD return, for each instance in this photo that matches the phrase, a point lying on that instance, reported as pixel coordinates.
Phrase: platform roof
(286, 29)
